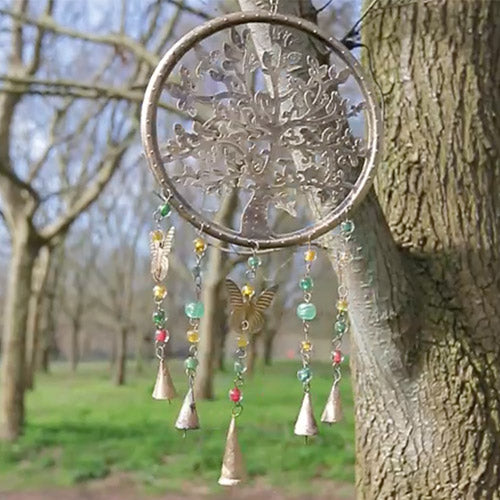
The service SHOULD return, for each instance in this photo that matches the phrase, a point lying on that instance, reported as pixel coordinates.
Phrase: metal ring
(150, 136)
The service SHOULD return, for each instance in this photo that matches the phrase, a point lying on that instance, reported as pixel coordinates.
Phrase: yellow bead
(157, 235)
(200, 245)
(159, 292)
(193, 336)
(342, 305)
(242, 341)
(309, 255)
(306, 346)
(247, 291)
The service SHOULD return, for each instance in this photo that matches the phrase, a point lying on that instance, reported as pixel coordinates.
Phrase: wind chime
(282, 117)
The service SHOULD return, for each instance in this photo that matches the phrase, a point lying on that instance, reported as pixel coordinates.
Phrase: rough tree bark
(424, 281)
(427, 385)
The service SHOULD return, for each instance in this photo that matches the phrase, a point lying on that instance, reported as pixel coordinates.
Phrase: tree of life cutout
(290, 135)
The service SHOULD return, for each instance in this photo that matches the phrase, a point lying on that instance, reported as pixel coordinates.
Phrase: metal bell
(333, 408)
(188, 416)
(306, 423)
(164, 387)
(233, 468)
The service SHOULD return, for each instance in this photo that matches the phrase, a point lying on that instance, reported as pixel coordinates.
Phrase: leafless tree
(51, 174)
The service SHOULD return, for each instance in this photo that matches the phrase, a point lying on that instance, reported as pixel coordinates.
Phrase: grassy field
(80, 428)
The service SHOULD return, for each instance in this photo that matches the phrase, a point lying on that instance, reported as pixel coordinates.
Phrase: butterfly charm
(160, 246)
(248, 308)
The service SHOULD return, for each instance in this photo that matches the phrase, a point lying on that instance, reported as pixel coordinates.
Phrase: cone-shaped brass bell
(306, 423)
(188, 416)
(233, 468)
(164, 387)
(333, 408)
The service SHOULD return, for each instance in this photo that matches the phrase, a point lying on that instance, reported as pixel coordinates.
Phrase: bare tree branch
(118, 41)
(69, 88)
(109, 165)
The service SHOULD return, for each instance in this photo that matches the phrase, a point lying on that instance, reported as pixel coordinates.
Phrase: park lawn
(81, 428)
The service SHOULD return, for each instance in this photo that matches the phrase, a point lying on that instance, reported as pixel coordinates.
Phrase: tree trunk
(267, 346)
(34, 330)
(428, 385)
(252, 355)
(214, 317)
(24, 252)
(121, 356)
(74, 347)
(209, 334)
(222, 332)
(220, 353)
(50, 314)
(424, 286)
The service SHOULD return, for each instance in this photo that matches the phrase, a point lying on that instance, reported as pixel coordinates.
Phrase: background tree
(38, 211)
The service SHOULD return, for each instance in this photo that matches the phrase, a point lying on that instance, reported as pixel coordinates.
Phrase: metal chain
(306, 345)
(344, 258)
(240, 365)
(194, 323)
(159, 314)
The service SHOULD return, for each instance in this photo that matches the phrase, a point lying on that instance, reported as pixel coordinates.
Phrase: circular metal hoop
(150, 136)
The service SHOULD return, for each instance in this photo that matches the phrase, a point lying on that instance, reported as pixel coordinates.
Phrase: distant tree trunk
(34, 330)
(251, 355)
(24, 250)
(221, 330)
(220, 354)
(74, 345)
(267, 346)
(139, 356)
(50, 311)
(213, 290)
(121, 356)
(210, 323)
(274, 319)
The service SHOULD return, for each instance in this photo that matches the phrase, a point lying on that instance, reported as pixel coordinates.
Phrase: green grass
(80, 427)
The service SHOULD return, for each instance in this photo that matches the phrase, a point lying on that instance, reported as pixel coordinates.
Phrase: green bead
(159, 317)
(191, 363)
(194, 310)
(306, 284)
(165, 210)
(340, 326)
(306, 311)
(347, 227)
(239, 367)
(254, 261)
(304, 374)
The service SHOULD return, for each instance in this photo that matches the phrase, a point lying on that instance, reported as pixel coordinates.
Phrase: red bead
(162, 335)
(235, 395)
(337, 356)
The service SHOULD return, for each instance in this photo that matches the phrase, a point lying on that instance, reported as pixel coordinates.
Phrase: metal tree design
(278, 127)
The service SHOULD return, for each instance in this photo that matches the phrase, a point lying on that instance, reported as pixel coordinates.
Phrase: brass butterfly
(249, 309)
(160, 246)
